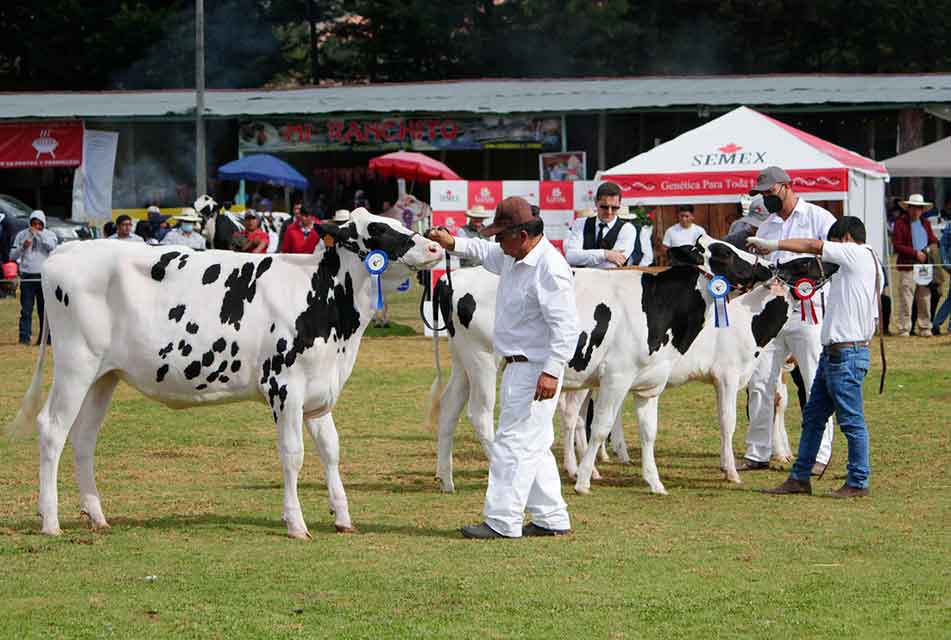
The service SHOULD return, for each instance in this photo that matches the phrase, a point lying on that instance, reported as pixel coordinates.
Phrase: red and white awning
(719, 161)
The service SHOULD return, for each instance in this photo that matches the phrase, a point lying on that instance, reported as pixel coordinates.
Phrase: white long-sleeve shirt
(578, 256)
(806, 221)
(535, 312)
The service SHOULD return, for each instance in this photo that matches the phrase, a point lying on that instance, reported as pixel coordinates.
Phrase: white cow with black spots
(190, 328)
(636, 327)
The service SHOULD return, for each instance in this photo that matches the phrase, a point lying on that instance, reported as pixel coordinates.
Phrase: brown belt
(511, 359)
(835, 346)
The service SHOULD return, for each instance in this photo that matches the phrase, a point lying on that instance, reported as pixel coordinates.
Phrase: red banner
(41, 144)
(722, 183)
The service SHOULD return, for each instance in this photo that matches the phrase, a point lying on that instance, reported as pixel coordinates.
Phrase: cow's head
(366, 232)
(812, 268)
(722, 259)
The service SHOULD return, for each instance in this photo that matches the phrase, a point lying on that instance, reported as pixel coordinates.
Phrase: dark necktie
(597, 239)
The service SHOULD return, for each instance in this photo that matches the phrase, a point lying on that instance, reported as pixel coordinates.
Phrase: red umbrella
(412, 166)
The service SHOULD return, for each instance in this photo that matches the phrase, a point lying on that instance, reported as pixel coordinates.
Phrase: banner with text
(388, 134)
(41, 144)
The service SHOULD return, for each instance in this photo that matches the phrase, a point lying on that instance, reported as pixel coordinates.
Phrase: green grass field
(194, 499)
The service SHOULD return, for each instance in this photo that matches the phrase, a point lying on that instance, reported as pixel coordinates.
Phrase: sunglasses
(611, 207)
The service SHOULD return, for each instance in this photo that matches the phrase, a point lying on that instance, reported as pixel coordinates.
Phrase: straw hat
(478, 211)
(341, 216)
(915, 200)
(188, 215)
(587, 212)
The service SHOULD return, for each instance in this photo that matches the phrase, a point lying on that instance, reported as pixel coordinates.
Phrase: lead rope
(881, 319)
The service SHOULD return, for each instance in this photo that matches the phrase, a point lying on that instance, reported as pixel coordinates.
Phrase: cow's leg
(324, 433)
(781, 450)
(290, 445)
(647, 427)
(727, 388)
(618, 443)
(453, 400)
(83, 438)
(570, 403)
(58, 415)
(610, 399)
(482, 380)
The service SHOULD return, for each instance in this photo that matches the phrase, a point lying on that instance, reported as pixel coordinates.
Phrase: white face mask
(187, 227)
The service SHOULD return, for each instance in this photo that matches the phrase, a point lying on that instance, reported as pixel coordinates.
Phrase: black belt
(835, 346)
(511, 359)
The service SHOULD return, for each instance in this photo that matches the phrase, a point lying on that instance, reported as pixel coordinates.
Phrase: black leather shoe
(532, 530)
(480, 531)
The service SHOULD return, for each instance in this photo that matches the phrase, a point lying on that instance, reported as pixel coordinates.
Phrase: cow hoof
(595, 474)
(52, 531)
(733, 477)
(659, 491)
(582, 490)
(446, 486)
(783, 459)
(94, 524)
(345, 529)
(623, 458)
(300, 535)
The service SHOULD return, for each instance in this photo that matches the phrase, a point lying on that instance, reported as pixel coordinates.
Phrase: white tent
(719, 161)
(929, 161)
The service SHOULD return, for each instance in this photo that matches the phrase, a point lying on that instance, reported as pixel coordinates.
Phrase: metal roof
(496, 96)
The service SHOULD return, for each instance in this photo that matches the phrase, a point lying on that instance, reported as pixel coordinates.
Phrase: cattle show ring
(217, 444)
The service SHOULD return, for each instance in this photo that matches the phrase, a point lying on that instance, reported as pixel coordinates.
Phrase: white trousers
(802, 340)
(523, 474)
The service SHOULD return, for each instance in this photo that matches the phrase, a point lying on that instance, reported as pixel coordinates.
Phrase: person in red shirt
(300, 236)
(253, 239)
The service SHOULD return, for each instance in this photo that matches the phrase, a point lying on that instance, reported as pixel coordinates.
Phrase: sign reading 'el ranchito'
(419, 134)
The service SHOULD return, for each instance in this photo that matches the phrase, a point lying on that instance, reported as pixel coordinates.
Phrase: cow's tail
(434, 403)
(25, 420)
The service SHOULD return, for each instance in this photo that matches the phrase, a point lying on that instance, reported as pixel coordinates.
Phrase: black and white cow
(635, 328)
(189, 328)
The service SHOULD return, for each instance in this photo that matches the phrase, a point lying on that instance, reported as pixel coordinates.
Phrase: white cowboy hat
(915, 200)
(187, 215)
(478, 211)
(587, 212)
(341, 215)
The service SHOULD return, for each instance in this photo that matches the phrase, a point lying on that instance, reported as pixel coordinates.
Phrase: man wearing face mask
(184, 234)
(790, 217)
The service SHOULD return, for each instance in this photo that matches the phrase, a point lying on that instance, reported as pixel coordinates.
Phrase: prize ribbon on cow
(804, 289)
(376, 263)
(719, 288)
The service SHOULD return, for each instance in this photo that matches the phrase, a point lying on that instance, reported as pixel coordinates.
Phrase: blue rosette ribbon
(719, 288)
(376, 263)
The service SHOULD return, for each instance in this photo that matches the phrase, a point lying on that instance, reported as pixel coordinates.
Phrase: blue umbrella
(261, 167)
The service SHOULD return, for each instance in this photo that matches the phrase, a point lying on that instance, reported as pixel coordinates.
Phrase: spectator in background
(108, 229)
(643, 253)
(300, 235)
(604, 242)
(475, 218)
(754, 214)
(124, 230)
(158, 224)
(184, 234)
(685, 231)
(911, 238)
(6, 241)
(31, 248)
(945, 249)
(253, 239)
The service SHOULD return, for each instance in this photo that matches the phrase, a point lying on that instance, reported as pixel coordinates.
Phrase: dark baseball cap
(511, 212)
(768, 177)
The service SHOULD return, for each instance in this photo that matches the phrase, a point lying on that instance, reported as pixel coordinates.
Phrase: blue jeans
(837, 388)
(30, 292)
(944, 312)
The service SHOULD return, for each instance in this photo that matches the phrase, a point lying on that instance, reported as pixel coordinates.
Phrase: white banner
(92, 184)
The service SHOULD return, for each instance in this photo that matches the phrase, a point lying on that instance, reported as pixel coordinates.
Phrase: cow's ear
(330, 229)
(829, 268)
(685, 255)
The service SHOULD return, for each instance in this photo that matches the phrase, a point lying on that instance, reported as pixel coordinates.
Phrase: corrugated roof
(495, 96)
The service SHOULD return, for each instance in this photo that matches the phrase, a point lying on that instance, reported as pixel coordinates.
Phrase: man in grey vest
(603, 242)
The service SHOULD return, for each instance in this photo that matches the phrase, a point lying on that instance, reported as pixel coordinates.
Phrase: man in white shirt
(603, 242)
(685, 231)
(849, 325)
(536, 331)
(791, 217)
(124, 230)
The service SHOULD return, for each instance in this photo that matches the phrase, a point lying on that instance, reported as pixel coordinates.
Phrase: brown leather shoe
(790, 486)
(818, 469)
(745, 464)
(845, 491)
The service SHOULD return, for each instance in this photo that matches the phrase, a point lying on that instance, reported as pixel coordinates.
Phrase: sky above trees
(118, 44)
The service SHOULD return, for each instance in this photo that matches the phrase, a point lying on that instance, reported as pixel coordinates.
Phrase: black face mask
(773, 203)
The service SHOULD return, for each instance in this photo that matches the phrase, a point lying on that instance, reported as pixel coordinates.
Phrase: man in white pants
(536, 329)
(791, 217)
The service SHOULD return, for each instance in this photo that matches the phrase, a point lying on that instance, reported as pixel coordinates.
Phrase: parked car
(65, 230)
